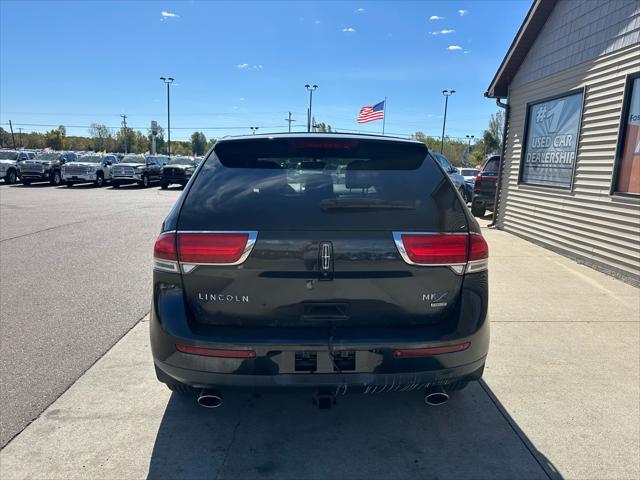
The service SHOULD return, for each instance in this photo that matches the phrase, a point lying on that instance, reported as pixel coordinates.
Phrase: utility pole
(13, 138)
(310, 89)
(446, 94)
(124, 131)
(254, 129)
(289, 120)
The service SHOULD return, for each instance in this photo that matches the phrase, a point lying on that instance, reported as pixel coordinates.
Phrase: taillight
(165, 247)
(478, 248)
(461, 252)
(430, 351)
(211, 248)
(437, 249)
(216, 352)
(164, 253)
(478, 254)
(476, 186)
(190, 249)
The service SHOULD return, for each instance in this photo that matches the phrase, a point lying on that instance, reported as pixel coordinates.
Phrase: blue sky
(242, 64)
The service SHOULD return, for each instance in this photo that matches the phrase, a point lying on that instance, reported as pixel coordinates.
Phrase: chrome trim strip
(251, 241)
(163, 265)
(457, 268)
(477, 266)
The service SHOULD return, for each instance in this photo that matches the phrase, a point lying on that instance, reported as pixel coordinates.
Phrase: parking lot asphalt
(74, 277)
(559, 399)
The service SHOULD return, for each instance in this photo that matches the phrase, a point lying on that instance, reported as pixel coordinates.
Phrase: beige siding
(586, 223)
(579, 31)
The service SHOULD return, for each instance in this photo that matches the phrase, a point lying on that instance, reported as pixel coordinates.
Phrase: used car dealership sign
(551, 141)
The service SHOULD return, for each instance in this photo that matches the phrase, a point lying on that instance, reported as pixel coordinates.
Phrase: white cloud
(241, 99)
(169, 15)
(349, 30)
(360, 10)
(454, 47)
(246, 66)
(317, 22)
(462, 13)
(444, 31)
(435, 17)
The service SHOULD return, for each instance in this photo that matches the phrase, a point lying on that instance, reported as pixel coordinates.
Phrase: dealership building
(570, 175)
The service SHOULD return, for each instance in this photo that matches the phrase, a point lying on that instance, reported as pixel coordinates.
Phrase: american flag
(371, 113)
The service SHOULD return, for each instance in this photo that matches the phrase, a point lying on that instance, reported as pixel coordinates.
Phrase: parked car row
(71, 168)
(477, 187)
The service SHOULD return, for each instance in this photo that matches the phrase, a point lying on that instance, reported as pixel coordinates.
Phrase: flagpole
(384, 115)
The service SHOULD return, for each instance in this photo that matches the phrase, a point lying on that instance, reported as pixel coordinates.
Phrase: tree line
(101, 138)
(466, 154)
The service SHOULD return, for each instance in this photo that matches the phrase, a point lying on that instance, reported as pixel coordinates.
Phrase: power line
(146, 127)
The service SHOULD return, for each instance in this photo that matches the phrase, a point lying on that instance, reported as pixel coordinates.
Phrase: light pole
(446, 94)
(469, 138)
(168, 81)
(254, 129)
(311, 89)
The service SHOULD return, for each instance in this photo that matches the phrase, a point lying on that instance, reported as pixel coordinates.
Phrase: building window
(551, 141)
(627, 171)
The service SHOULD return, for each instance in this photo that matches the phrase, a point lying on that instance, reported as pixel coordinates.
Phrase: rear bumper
(483, 199)
(274, 365)
(364, 382)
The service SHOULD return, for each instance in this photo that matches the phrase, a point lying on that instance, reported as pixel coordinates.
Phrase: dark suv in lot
(45, 167)
(269, 273)
(484, 188)
(177, 170)
(140, 169)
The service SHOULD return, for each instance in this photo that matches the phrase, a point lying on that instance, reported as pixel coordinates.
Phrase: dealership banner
(552, 139)
(629, 173)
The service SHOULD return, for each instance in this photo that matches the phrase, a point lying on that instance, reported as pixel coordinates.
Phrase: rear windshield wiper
(365, 204)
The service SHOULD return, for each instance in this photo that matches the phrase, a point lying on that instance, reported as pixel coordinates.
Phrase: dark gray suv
(271, 273)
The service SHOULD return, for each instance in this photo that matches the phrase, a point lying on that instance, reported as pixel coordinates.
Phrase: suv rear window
(324, 183)
(491, 167)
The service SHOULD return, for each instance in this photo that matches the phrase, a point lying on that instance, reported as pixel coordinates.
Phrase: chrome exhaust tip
(209, 398)
(435, 396)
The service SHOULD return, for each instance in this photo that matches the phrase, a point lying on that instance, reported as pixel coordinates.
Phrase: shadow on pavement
(393, 435)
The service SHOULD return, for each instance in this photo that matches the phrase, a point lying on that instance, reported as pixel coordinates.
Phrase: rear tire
(164, 185)
(99, 181)
(69, 184)
(56, 179)
(11, 177)
(145, 181)
(26, 182)
(478, 211)
(116, 185)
